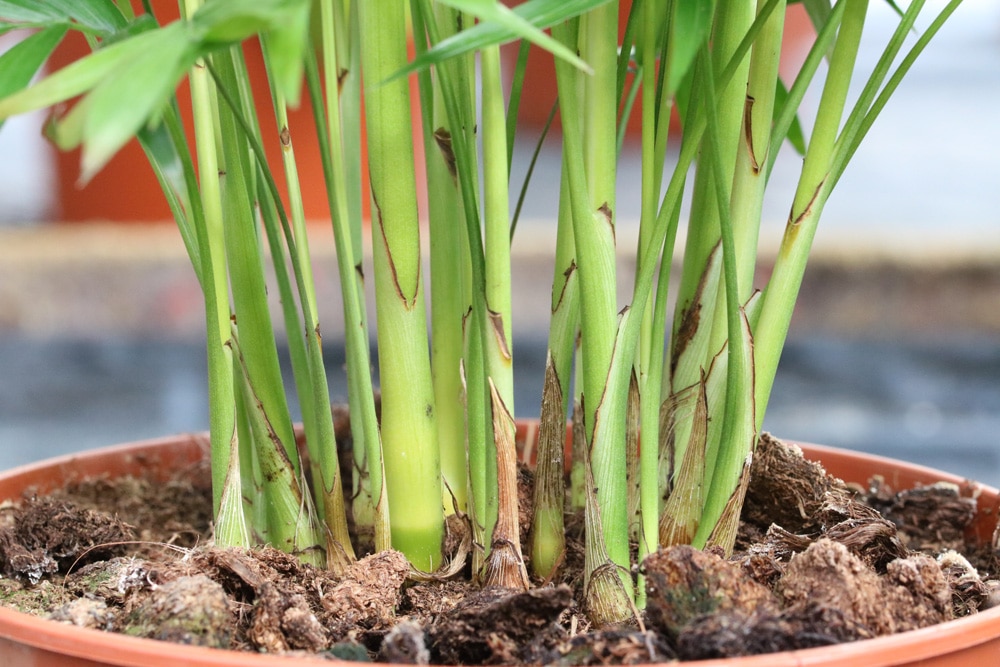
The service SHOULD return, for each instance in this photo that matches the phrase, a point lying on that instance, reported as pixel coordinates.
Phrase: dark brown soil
(817, 562)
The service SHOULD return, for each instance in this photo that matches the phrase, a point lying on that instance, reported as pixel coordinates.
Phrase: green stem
(458, 101)
(738, 435)
(450, 292)
(231, 527)
(340, 152)
(548, 538)
(364, 422)
(810, 197)
(291, 521)
(732, 21)
(409, 429)
(699, 329)
(506, 564)
(291, 524)
(656, 109)
(593, 226)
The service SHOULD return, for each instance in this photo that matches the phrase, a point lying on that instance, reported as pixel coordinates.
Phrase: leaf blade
(23, 60)
(526, 21)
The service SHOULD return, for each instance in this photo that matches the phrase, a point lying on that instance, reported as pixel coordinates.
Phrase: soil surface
(817, 562)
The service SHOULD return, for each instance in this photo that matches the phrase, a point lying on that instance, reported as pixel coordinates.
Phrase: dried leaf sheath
(682, 511)
(548, 538)
(505, 564)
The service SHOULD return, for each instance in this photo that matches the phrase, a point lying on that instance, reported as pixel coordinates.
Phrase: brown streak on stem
(605, 210)
(668, 446)
(442, 137)
(496, 320)
(388, 253)
(690, 319)
(632, 449)
(794, 222)
(285, 137)
(271, 433)
(609, 217)
(567, 274)
(604, 392)
(748, 133)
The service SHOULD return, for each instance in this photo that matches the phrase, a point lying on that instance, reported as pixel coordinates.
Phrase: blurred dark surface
(932, 403)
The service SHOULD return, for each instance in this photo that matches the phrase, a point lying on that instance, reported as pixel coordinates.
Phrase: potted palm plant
(440, 438)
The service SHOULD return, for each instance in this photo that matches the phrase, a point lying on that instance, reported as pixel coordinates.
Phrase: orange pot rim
(137, 458)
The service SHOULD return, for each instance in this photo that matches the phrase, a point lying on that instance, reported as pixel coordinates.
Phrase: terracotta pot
(28, 640)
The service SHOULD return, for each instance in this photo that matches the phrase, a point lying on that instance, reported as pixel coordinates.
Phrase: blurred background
(894, 349)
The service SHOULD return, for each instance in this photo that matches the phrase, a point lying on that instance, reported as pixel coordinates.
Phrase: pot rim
(139, 457)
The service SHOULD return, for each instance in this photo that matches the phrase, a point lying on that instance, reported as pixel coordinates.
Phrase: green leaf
(67, 132)
(520, 27)
(19, 64)
(121, 105)
(142, 23)
(165, 160)
(818, 11)
(131, 93)
(500, 25)
(895, 7)
(690, 27)
(286, 47)
(100, 17)
(31, 13)
(795, 135)
(228, 21)
(76, 78)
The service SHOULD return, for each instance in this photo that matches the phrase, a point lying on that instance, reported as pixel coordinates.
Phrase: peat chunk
(366, 597)
(829, 580)
(112, 581)
(188, 610)
(932, 518)
(492, 626)
(870, 537)
(84, 613)
(48, 536)
(278, 596)
(917, 593)
(607, 647)
(281, 622)
(969, 592)
(683, 584)
(734, 635)
(789, 490)
(405, 644)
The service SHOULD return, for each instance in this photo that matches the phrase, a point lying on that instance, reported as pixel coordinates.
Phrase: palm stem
(227, 499)
(409, 428)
